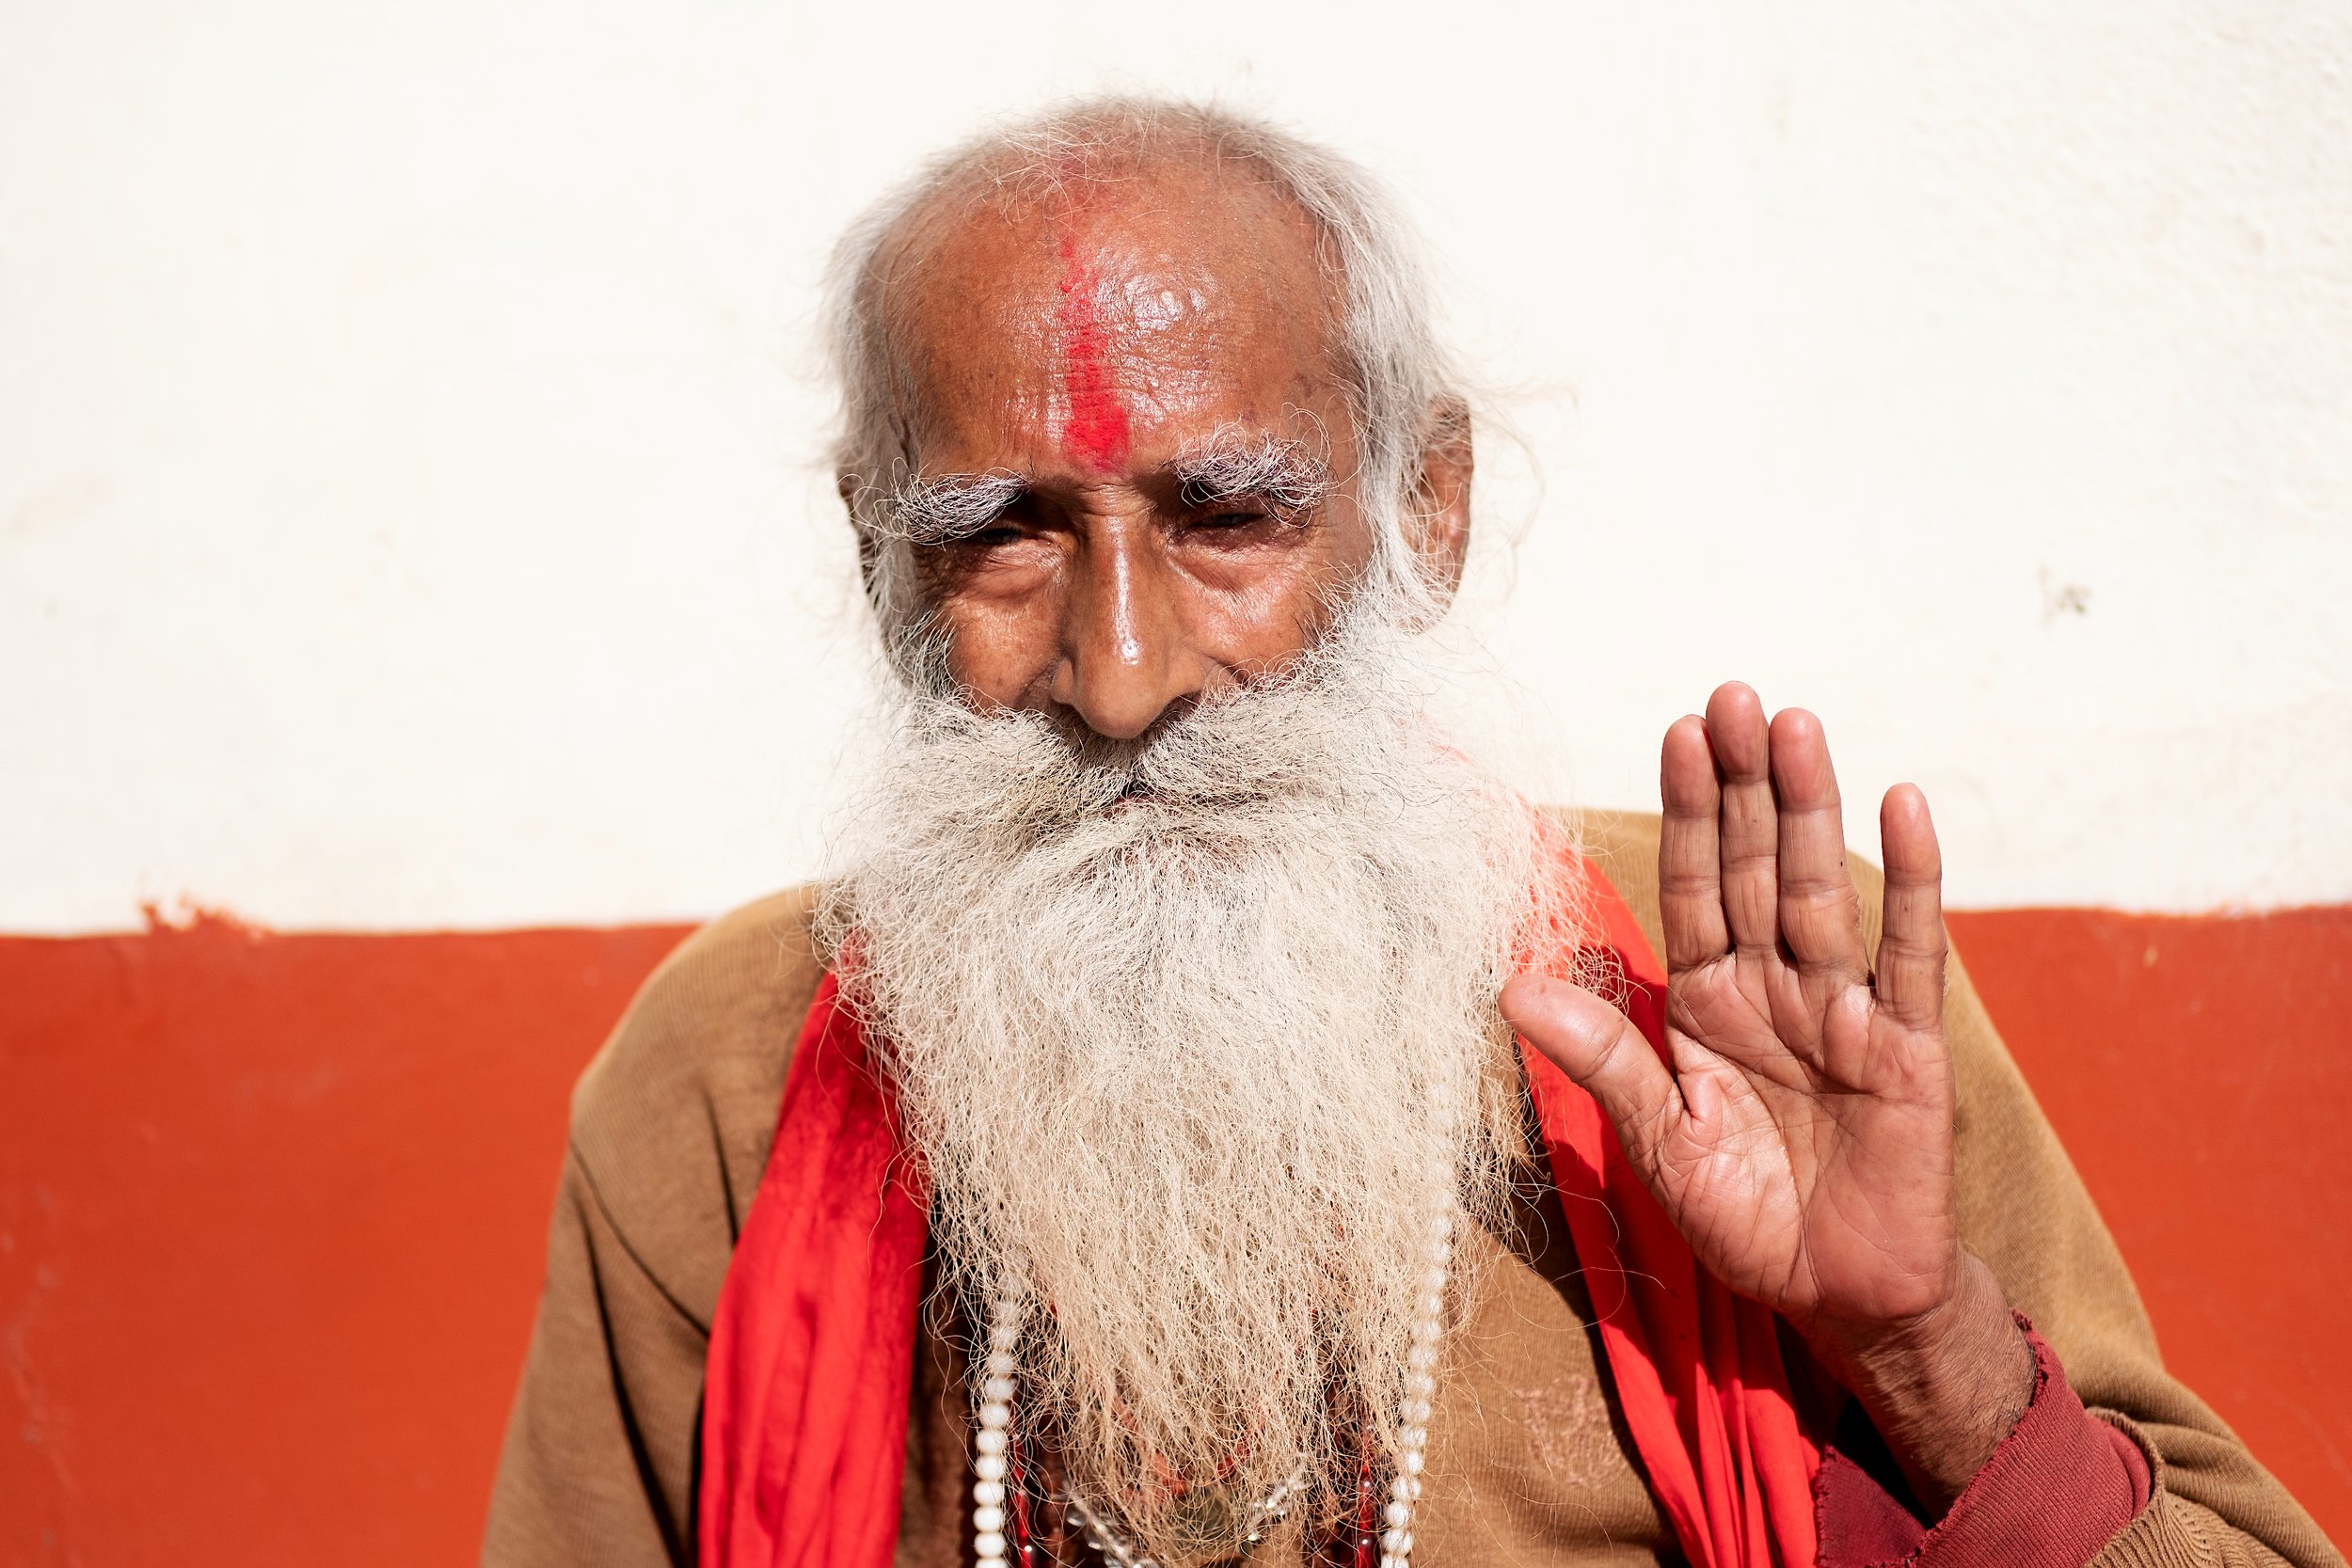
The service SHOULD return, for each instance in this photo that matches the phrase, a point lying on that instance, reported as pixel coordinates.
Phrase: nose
(1125, 657)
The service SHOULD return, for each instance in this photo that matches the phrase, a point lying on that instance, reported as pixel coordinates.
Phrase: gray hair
(1402, 386)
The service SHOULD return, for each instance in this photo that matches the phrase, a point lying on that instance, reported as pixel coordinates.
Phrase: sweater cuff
(2059, 1487)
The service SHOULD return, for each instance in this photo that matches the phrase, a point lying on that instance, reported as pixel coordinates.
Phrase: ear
(1438, 524)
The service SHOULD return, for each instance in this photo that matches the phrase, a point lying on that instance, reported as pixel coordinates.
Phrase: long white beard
(1191, 1038)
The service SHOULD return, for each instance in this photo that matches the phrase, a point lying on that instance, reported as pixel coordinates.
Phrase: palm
(1801, 1139)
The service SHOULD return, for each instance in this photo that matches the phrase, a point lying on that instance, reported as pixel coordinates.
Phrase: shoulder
(671, 1122)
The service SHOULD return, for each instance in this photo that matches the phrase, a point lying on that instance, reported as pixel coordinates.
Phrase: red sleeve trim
(2061, 1485)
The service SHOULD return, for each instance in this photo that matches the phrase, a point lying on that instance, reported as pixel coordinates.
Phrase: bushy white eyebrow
(1284, 473)
(949, 507)
(1229, 467)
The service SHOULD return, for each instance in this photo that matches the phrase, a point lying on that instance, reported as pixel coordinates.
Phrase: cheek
(1252, 600)
(1003, 624)
(1274, 590)
(1257, 603)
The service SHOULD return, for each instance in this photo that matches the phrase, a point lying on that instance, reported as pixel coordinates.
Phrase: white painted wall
(409, 512)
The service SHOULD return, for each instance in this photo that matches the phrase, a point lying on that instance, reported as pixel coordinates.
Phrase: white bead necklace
(1421, 1382)
(990, 1548)
(987, 1493)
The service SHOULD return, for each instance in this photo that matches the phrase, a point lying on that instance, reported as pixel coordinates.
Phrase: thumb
(1600, 1048)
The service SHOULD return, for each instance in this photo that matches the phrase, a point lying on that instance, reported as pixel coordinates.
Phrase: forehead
(1110, 318)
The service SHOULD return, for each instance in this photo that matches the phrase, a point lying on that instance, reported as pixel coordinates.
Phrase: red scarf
(812, 1350)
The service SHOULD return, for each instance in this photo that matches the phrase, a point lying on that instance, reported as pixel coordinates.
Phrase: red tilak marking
(1095, 430)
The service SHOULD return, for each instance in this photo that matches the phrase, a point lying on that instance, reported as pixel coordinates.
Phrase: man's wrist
(1944, 1387)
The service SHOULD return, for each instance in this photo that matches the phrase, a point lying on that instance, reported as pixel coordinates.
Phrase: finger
(1690, 867)
(1821, 914)
(1600, 1049)
(1912, 948)
(1750, 838)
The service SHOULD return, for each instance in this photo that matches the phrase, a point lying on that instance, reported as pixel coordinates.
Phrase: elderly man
(1206, 1118)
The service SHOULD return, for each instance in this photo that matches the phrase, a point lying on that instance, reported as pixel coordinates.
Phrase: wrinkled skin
(1197, 310)
(1801, 1140)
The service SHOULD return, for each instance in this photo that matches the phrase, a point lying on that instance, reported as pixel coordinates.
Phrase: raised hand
(1802, 1138)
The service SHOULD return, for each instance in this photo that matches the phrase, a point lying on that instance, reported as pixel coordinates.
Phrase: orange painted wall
(2200, 1071)
(271, 1207)
(273, 1210)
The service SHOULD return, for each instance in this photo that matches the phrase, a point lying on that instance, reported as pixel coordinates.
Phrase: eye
(1222, 521)
(994, 536)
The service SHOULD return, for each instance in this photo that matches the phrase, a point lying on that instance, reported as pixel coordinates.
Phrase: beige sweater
(1528, 1460)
